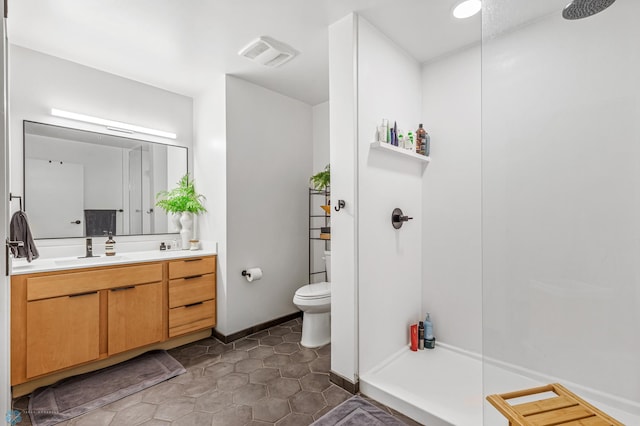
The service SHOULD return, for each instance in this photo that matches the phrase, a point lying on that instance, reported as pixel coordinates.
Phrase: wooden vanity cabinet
(66, 319)
(192, 294)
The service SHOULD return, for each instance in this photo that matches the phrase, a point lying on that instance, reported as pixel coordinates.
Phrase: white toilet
(314, 300)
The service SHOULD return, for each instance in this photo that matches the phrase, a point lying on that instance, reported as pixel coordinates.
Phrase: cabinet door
(135, 317)
(62, 332)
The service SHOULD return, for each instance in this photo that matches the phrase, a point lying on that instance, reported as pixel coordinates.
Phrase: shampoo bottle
(429, 340)
(421, 335)
(427, 146)
(409, 142)
(421, 142)
(395, 133)
(414, 337)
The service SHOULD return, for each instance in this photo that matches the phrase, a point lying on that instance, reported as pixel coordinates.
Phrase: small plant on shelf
(183, 198)
(321, 180)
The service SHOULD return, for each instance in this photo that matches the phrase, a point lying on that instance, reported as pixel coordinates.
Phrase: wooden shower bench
(564, 409)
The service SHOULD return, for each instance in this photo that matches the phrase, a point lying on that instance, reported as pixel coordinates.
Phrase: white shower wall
(561, 199)
(452, 262)
(389, 86)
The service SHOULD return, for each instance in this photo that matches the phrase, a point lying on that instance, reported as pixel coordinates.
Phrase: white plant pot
(186, 233)
(175, 221)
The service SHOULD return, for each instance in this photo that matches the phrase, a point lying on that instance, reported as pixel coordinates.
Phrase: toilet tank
(327, 264)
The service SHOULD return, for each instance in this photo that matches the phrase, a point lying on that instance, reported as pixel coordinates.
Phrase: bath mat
(78, 395)
(355, 411)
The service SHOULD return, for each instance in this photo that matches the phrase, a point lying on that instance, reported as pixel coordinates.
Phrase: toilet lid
(313, 291)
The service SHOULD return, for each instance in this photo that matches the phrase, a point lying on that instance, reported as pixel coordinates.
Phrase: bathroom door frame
(5, 289)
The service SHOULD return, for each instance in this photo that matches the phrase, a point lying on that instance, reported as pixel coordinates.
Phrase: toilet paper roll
(253, 274)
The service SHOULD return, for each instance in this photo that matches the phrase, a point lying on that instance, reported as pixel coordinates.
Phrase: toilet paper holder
(252, 274)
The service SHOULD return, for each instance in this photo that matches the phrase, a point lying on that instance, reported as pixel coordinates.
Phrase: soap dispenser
(109, 246)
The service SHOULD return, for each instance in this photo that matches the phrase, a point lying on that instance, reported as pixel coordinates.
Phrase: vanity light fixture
(112, 125)
(467, 8)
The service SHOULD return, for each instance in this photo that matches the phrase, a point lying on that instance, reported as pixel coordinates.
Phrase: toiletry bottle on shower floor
(414, 337)
(429, 340)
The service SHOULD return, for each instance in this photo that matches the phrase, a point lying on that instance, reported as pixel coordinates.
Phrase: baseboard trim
(256, 328)
(344, 383)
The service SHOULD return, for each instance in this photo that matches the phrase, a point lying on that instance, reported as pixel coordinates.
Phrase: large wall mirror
(79, 183)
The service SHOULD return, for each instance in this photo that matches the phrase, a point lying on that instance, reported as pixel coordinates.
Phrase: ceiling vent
(268, 52)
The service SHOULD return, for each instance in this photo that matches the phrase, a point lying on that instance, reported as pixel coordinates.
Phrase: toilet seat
(314, 291)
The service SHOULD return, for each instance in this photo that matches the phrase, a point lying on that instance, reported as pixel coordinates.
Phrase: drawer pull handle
(193, 304)
(83, 294)
(192, 260)
(123, 288)
(192, 277)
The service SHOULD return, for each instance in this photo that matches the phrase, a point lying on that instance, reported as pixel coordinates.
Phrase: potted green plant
(183, 202)
(321, 180)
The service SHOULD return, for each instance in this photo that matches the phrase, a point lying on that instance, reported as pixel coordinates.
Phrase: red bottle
(414, 337)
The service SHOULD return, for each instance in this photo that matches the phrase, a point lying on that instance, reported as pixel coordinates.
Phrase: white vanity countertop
(21, 266)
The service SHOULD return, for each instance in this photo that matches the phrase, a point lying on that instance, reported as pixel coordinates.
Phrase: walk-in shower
(530, 217)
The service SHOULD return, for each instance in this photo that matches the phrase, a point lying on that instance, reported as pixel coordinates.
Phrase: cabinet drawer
(185, 291)
(82, 282)
(192, 317)
(192, 267)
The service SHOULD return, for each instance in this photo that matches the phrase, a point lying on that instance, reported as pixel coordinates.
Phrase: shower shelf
(382, 146)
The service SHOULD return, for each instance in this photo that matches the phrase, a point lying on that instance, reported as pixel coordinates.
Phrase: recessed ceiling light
(467, 9)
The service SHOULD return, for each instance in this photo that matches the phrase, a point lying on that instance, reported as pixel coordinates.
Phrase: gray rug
(77, 395)
(355, 411)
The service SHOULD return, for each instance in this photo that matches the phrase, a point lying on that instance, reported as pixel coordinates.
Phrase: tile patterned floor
(264, 379)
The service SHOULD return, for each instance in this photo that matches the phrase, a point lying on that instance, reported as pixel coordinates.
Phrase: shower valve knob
(398, 218)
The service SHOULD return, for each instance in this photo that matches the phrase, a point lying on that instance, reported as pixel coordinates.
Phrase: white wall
(103, 168)
(452, 263)
(561, 191)
(210, 174)
(269, 160)
(320, 136)
(342, 113)
(40, 82)
(390, 290)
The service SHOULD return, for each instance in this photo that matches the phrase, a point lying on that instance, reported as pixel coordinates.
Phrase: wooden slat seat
(566, 408)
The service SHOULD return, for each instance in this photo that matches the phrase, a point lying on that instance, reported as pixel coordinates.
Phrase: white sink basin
(89, 260)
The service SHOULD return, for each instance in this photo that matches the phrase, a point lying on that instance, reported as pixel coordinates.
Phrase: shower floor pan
(443, 387)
